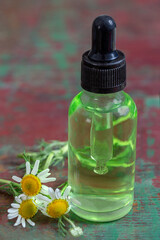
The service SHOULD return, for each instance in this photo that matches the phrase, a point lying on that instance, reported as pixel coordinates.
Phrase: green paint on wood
(61, 60)
(5, 57)
(40, 43)
(6, 149)
(150, 153)
(4, 69)
(70, 49)
(150, 141)
(153, 102)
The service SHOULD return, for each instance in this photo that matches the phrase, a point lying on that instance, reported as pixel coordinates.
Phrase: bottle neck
(102, 102)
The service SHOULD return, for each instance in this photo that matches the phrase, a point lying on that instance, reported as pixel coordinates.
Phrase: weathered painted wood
(41, 43)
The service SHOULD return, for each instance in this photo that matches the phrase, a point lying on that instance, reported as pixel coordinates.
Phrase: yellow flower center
(27, 209)
(57, 208)
(31, 185)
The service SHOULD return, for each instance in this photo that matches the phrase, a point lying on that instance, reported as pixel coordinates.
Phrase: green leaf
(49, 153)
(61, 227)
(10, 187)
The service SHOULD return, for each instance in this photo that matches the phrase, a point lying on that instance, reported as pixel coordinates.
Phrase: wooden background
(41, 43)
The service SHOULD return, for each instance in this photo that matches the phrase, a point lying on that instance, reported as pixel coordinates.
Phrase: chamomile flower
(24, 209)
(57, 205)
(31, 183)
(76, 231)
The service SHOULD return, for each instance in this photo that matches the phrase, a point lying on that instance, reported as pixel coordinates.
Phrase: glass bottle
(102, 132)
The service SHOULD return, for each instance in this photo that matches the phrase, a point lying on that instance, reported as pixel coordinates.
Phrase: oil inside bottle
(108, 195)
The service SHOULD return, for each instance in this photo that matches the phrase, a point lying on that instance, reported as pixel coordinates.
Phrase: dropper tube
(103, 71)
(101, 140)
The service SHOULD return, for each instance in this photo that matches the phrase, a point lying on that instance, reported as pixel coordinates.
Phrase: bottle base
(103, 216)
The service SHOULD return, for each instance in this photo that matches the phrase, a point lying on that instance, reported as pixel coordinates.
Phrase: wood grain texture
(41, 43)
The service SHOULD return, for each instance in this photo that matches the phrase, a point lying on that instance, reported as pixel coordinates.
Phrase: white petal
(44, 176)
(18, 221)
(43, 173)
(23, 223)
(15, 205)
(44, 191)
(58, 193)
(46, 180)
(35, 168)
(30, 222)
(28, 167)
(44, 198)
(18, 199)
(30, 197)
(76, 231)
(45, 187)
(22, 196)
(17, 179)
(12, 215)
(12, 210)
(79, 230)
(51, 192)
(67, 191)
(73, 232)
(69, 208)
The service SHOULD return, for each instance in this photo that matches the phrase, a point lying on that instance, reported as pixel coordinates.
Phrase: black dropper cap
(103, 68)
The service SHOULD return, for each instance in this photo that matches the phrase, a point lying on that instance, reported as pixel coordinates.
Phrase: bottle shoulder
(128, 100)
(75, 103)
(120, 102)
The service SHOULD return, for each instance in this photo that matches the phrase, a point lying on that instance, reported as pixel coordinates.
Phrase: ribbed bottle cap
(103, 68)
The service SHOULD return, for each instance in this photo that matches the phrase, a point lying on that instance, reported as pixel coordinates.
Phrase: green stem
(48, 161)
(69, 221)
(62, 185)
(3, 181)
(15, 193)
(10, 187)
(65, 185)
(64, 149)
(30, 154)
